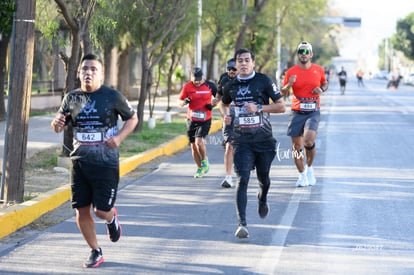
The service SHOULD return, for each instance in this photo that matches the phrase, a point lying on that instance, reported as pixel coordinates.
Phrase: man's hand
(227, 119)
(292, 79)
(251, 107)
(59, 122)
(113, 142)
(317, 90)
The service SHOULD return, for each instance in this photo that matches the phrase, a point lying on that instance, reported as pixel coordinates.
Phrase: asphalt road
(357, 219)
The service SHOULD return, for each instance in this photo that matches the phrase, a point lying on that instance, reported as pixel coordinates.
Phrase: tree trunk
(18, 119)
(248, 21)
(108, 65)
(123, 73)
(143, 93)
(71, 84)
(211, 56)
(4, 42)
(169, 81)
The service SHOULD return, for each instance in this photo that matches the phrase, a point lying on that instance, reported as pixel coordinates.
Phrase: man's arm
(226, 113)
(183, 98)
(286, 88)
(126, 130)
(325, 86)
(59, 122)
(184, 102)
(275, 107)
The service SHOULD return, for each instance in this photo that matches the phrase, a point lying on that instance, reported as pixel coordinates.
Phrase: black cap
(197, 73)
(231, 63)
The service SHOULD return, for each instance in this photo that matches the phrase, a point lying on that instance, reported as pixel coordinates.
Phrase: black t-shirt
(342, 75)
(258, 89)
(94, 117)
(223, 80)
(212, 86)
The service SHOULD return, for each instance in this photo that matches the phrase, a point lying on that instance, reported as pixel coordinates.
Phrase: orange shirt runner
(303, 99)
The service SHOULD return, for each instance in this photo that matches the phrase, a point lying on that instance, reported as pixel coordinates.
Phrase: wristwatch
(259, 108)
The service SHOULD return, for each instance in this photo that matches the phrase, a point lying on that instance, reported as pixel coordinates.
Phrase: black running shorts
(93, 184)
(197, 129)
(254, 155)
(227, 131)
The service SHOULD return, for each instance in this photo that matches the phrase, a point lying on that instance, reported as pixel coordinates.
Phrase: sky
(378, 21)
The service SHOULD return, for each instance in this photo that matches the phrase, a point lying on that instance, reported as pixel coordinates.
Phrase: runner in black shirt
(227, 130)
(254, 144)
(343, 78)
(93, 112)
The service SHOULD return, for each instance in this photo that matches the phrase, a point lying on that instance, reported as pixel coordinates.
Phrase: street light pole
(278, 47)
(198, 35)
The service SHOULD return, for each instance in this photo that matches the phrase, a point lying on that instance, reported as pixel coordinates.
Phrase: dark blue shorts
(92, 184)
(298, 122)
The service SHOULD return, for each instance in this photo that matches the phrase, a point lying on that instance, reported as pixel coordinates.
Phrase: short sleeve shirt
(94, 118)
(199, 96)
(306, 81)
(259, 89)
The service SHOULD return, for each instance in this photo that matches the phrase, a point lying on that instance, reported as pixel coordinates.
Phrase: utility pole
(278, 47)
(19, 101)
(198, 38)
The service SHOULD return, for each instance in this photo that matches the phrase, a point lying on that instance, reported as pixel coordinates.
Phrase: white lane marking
(270, 259)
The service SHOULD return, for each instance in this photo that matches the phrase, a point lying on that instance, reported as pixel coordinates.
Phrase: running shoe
(95, 259)
(227, 182)
(302, 180)
(263, 208)
(114, 228)
(242, 232)
(310, 176)
(199, 173)
(205, 166)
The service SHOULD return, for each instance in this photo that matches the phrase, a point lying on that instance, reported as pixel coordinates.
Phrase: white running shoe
(302, 180)
(310, 176)
(227, 182)
(242, 232)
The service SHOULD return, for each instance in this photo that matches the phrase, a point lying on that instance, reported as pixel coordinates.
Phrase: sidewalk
(42, 137)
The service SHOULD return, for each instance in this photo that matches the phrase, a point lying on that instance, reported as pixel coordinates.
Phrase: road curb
(18, 216)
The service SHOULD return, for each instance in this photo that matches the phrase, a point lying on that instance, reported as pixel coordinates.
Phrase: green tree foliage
(153, 27)
(403, 40)
(7, 8)
(223, 23)
(301, 20)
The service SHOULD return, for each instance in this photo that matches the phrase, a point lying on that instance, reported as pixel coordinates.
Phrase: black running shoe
(263, 208)
(114, 228)
(95, 259)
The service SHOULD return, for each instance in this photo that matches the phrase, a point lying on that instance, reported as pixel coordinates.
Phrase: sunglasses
(304, 51)
(231, 69)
